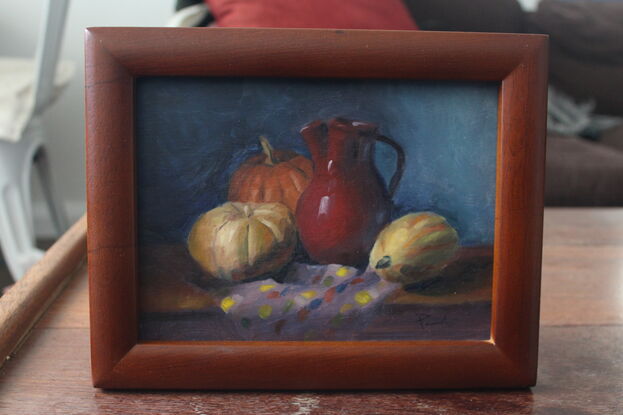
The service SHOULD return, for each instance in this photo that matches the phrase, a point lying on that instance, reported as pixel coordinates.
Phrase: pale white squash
(238, 241)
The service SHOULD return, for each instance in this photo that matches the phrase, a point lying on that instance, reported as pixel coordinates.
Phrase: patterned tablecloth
(314, 301)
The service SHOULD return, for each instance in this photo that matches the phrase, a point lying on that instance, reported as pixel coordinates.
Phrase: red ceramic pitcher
(346, 203)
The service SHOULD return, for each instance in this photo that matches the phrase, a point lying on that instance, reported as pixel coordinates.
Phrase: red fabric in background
(329, 14)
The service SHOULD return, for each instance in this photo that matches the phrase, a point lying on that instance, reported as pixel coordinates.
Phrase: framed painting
(329, 209)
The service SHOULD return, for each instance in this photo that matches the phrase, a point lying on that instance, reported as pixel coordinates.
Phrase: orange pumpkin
(272, 176)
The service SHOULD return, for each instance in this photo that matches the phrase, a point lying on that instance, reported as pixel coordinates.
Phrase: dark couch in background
(586, 62)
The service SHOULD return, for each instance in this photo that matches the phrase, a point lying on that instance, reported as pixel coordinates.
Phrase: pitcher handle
(400, 163)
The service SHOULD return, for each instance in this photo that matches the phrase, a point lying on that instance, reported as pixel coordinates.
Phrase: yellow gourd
(238, 241)
(414, 247)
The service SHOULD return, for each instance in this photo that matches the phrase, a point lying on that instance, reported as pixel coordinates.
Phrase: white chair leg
(17, 238)
(52, 198)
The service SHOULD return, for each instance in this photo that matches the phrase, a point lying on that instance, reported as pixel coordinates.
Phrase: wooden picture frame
(116, 56)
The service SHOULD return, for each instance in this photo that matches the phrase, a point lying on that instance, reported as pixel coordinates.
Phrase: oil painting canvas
(315, 209)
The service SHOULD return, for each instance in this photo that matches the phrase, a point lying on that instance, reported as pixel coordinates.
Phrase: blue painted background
(192, 133)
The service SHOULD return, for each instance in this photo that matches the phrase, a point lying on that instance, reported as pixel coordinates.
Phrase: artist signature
(427, 320)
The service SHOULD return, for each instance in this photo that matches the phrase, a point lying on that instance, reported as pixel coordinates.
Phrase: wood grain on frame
(115, 56)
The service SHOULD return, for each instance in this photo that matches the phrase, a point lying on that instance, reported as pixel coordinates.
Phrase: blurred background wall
(19, 24)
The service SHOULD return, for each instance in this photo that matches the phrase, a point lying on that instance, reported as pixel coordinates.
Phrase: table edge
(29, 298)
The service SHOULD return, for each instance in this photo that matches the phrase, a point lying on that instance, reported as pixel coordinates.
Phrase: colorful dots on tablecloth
(329, 295)
(332, 298)
(363, 297)
(264, 311)
(342, 272)
(266, 287)
(287, 306)
(227, 303)
(272, 295)
(340, 288)
(309, 294)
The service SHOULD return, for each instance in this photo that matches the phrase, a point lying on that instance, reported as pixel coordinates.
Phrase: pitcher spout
(315, 135)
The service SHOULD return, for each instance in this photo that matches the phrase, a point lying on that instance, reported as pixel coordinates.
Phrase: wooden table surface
(580, 367)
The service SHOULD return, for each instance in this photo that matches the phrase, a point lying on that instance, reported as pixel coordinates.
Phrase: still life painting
(315, 209)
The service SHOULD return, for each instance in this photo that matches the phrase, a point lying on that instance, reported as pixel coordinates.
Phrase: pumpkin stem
(268, 150)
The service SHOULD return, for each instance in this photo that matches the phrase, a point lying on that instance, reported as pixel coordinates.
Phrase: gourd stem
(268, 150)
